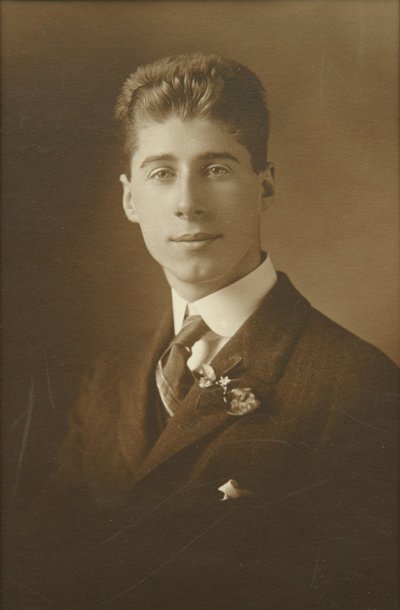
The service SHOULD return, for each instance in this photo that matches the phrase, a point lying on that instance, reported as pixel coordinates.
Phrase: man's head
(196, 129)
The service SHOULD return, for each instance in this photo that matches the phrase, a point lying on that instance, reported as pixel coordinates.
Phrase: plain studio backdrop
(77, 278)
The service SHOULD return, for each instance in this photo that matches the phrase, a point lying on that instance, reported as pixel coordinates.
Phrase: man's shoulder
(335, 351)
(321, 339)
(330, 337)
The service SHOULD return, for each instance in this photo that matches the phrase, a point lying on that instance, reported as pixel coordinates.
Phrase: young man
(243, 456)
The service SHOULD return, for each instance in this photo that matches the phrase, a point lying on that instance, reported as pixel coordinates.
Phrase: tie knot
(193, 329)
(172, 374)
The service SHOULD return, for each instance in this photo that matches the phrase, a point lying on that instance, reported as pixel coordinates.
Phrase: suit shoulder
(321, 347)
(335, 347)
(333, 370)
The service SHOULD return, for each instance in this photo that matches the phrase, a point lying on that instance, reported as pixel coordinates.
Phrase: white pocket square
(232, 490)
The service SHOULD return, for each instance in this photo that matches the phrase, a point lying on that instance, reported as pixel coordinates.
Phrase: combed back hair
(197, 85)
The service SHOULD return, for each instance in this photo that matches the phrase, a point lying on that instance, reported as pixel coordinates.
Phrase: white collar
(227, 309)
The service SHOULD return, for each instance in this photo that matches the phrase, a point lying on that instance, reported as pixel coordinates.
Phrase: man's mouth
(193, 237)
(195, 241)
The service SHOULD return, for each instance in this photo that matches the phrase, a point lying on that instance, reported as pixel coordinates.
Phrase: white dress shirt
(224, 311)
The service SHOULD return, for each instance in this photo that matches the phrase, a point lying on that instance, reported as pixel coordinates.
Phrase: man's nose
(190, 202)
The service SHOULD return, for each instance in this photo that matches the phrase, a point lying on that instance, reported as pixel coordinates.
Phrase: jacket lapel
(188, 426)
(261, 349)
(272, 332)
(142, 419)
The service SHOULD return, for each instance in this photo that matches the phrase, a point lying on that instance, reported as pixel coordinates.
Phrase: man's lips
(195, 242)
(196, 237)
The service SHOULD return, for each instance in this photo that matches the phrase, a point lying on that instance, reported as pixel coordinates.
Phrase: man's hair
(197, 85)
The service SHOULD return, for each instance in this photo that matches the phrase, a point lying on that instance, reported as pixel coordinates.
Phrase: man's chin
(191, 278)
(193, 284)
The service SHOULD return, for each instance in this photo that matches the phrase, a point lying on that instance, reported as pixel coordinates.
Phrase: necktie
(172, 374)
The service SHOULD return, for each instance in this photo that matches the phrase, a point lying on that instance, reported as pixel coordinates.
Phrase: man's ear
(267, 180)
(127, 199)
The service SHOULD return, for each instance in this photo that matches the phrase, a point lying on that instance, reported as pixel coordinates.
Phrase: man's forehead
(198, 138)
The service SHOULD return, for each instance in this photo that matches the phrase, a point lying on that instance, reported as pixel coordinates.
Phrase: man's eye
(216, 170)
(162, 174)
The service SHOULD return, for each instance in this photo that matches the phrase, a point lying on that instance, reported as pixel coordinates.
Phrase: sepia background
(76, 276)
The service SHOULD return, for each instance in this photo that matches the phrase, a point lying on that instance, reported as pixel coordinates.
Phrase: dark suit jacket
(139, 522)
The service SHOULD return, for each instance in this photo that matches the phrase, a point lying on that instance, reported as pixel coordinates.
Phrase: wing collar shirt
(224, 311)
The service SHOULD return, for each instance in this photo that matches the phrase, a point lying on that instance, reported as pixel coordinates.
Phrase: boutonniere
(233, 394)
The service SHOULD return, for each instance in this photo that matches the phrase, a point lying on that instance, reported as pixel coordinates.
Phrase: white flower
(224, 382)
(243, 401)
(205, 382)
(209, 378)
(238, 400)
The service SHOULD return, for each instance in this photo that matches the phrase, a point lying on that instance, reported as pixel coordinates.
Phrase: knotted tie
(172, 374)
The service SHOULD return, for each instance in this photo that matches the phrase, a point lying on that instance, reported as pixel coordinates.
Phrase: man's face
(198, 202)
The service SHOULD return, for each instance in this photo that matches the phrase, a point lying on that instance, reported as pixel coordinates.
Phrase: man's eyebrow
(207, 156)
(156, 158)
(210, 156)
